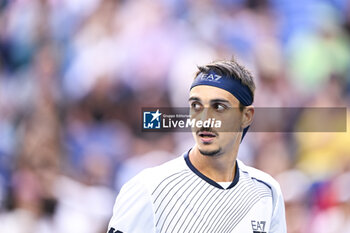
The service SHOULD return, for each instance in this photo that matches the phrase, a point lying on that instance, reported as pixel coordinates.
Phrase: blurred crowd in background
(74, 76)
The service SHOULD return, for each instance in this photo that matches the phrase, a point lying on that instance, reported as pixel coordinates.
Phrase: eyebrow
(194, 99)
(219, 100)
(211, 101)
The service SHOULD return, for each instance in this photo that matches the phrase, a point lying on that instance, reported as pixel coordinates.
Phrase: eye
(196, 106)
(219, 107)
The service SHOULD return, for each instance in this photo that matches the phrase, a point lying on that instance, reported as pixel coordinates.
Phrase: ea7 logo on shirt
(112, 230)
(258, 226)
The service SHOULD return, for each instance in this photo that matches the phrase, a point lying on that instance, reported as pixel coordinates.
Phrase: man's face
(212, 102)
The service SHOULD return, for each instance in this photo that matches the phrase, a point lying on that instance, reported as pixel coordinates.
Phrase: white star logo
(156, 115)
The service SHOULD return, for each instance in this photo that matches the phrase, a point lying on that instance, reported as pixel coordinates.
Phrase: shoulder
(260, 177)
(263, 179)
(150, 178)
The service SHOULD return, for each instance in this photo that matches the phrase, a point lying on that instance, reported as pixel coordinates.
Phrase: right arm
(133, 210)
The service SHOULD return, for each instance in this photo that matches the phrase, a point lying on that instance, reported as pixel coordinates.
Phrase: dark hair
(232, 69)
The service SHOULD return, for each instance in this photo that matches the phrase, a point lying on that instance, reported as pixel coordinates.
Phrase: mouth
(206, 136)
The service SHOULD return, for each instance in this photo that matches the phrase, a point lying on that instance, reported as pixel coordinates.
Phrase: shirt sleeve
(278, 223)
(133, 210)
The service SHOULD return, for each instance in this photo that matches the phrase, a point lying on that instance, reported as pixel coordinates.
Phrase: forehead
(207, 93)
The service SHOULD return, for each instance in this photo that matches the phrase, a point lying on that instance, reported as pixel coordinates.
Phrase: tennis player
(207, 189)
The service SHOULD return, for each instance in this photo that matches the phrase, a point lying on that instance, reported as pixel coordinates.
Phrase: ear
(247, 117)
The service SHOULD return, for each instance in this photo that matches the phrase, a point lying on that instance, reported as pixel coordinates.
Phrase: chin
(210, 151)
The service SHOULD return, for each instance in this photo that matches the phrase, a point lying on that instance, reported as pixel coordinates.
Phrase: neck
(220, 168)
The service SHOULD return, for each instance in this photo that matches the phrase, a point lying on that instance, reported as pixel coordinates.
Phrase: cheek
(231, 124)
(194, 135)
(226, 138)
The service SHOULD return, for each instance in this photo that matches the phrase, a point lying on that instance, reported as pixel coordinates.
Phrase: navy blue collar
(207, 179)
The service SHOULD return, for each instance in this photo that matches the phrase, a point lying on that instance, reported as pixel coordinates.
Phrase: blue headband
(232, 85)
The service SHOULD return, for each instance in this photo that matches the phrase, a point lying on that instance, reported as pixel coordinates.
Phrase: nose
(205, 114)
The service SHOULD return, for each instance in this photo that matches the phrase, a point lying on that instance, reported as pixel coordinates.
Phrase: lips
(206, 136)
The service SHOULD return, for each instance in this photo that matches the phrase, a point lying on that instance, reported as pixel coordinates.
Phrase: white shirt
(176, 197)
